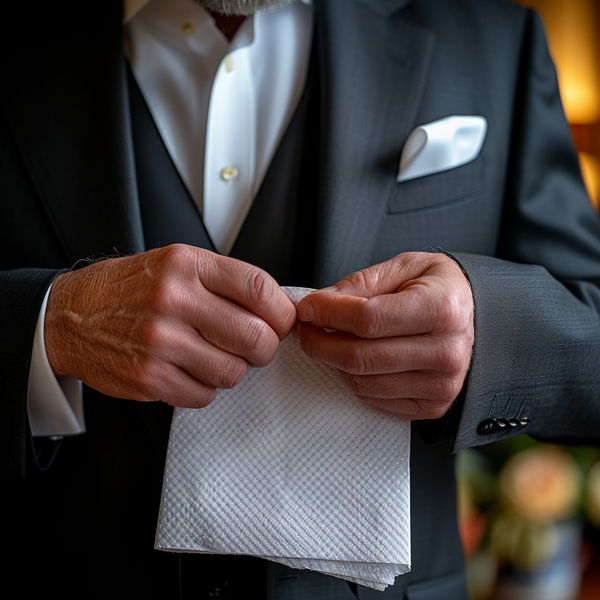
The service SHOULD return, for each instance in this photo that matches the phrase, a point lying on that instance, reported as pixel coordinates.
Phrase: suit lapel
(94, 209)
(374, 65)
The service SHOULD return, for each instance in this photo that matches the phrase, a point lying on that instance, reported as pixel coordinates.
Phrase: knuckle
(148, 378)
(206, 395)
(447, 360)
(370, 322)
(177, 254)
(260, 287)
(365, 280)
(358, 279)
(256, 335)
(257, 339)
(446, 389)
(357, 361)
(453, 357)
(164, 296)
(233, 373)
(450, 314)
(154, 336)
(357, 385)
(423, 305)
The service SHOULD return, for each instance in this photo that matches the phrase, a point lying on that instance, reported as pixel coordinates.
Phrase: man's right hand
(172, 324)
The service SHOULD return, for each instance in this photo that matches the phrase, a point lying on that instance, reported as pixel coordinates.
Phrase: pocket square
(441, 145)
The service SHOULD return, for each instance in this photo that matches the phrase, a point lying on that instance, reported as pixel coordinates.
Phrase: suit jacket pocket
(439, 188)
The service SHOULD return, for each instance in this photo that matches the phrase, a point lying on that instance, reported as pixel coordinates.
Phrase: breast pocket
(437, 189)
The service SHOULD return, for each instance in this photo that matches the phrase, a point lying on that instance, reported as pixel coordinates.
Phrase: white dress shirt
(221, 109)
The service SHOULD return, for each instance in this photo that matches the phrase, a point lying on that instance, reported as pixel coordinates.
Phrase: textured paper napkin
(292, 467)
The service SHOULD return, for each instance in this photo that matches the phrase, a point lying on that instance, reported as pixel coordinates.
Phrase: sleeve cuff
(54, 404)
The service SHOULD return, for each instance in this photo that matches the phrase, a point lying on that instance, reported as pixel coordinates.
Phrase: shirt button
(229, 173)
(188, 28)
(229, 63)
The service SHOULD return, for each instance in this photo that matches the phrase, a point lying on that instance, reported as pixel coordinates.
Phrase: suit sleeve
(536, 359)
(21, 296)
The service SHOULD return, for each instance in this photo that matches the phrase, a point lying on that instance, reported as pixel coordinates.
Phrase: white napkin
(441, 145)
(292, 467)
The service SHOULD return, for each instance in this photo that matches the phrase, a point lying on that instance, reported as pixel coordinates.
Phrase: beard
(240, 7)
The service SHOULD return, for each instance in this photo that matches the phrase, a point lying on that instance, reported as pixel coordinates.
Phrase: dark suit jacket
(517, 219)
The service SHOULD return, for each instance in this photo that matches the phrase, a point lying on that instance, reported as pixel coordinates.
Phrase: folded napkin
(442, 145)
(292, 467)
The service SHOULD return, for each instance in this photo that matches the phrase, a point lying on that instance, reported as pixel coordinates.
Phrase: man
(499, 337)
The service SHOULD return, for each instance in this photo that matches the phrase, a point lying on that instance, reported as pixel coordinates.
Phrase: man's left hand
(403, 333)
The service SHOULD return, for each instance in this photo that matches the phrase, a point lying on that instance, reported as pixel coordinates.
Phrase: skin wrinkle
(229, 374)
(144, 327)
(407, 347)
(175, 323)
(372, 321)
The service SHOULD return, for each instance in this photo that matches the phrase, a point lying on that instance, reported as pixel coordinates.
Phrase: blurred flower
(541, 484)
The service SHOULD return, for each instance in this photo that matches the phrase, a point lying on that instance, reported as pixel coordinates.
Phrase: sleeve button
(487, 426)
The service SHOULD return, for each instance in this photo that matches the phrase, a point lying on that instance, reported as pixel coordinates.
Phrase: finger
(176, 366)
(415, 310)
(430, 387)
(389, 276)
(161, 381)
(251, 288)
(234, 330)
(207, 363)
(358, 356)
(410, 294)
(412, 409)
(179, 296)
(184, 391)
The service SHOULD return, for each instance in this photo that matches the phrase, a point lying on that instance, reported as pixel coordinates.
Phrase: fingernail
(305, 311)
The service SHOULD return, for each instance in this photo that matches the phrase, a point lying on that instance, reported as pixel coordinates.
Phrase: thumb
(355, 289)
(345, 294)
(305, 309)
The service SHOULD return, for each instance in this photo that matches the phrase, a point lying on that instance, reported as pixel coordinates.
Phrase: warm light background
(573, 27)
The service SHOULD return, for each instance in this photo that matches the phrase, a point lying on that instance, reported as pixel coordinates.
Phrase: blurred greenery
(495, 531)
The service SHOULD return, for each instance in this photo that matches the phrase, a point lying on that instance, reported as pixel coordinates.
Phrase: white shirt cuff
(54, 404)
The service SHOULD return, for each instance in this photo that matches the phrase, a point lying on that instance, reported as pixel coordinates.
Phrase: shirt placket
(229, 165)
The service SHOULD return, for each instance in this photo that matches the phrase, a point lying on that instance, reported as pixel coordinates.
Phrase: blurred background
(573, 27)
(529, 513)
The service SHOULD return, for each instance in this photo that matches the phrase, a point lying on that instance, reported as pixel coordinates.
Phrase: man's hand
(404, 333)
(171, 324)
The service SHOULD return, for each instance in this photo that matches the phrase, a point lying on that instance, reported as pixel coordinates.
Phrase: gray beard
(240, 7)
